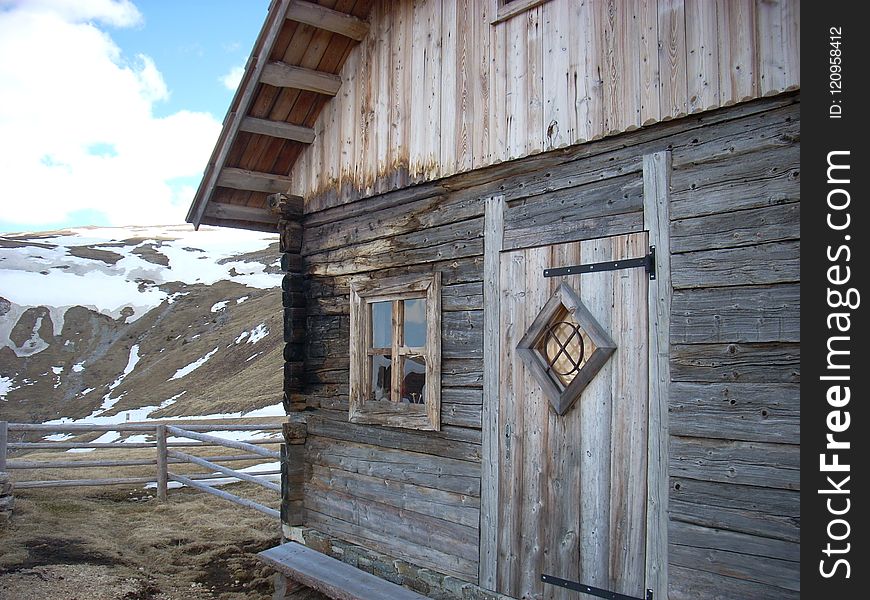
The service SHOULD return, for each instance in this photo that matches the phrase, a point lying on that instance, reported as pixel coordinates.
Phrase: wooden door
(572, 489)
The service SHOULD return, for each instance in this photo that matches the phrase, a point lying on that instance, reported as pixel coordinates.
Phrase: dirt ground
(117, 543)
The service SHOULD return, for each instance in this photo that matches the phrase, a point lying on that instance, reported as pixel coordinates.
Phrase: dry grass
(197, 543)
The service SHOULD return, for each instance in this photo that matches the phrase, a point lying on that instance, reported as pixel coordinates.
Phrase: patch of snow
(108, 401)
(135, 415)
(86, 392)
(243, 298)
(173, 297)
(258, 333)
(106, 438)
(192, 366)
(219, 306)
(242, 336)
(139, 438)
(57, 370)
(58, 437)
(78, 367)
(7, 384)
(253, 356)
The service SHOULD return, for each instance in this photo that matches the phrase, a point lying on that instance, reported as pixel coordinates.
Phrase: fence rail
(165, 455)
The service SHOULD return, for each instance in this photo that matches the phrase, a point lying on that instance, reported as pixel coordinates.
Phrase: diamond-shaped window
(564, 348)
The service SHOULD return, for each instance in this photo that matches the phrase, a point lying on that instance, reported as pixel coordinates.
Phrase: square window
(395, 352)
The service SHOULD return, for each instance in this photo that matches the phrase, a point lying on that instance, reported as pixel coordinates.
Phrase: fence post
(162, 471)
(4, 426)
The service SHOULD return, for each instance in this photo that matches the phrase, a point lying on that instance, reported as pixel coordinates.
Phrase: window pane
(380, 369)
(415, 323)
(382, 324)
(414, 380)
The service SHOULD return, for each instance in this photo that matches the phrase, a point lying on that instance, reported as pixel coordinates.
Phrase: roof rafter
(253, 181)
(278, 129)
(236, 212)
(328, 19)
(283, 75)
(239, 107)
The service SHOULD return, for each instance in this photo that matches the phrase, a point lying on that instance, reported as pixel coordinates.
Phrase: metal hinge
(648, 262)
(592, 591)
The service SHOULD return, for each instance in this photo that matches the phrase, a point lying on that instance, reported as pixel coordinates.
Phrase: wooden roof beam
(278, 129)
(236, 212)
(283, 75)
(328, 19)
(253, 181)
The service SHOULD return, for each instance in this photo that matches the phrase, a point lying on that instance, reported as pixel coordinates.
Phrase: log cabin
(542, 288)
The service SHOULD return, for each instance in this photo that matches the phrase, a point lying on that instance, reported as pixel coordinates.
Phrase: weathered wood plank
(280, 74)
(697, 536)
(429, 501)
(328, 19)
(739, 169)
(594, 199)
(278, 129)
(763, 412)
(436, 534)
(415, 216)
(331, 576)
(570, 230)
(747, 363)
(438, 444)
(766, 512)
(452, 241)
(447, 474)
(672, 58)
(630, 418)
(702, 56)
(738, 79)
(737, 228)
(690, 584)
(416, 553)
(760, 133)
(467, 296)
(769, 571)
(656, 214)
(775, 262)
(736, 314)
(462, 415)
(761, 524)
(242, 179)
(747, 463)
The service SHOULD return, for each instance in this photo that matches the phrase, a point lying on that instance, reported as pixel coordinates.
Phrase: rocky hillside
(117, 324)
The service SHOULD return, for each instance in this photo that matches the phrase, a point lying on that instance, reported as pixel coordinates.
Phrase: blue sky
(109, 109)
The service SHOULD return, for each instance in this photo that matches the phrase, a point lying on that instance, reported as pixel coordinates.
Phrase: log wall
(439, 88)
(734, 354)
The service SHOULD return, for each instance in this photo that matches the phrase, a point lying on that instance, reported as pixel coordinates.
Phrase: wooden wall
(735, 362)
(437, 89)
(734, 512)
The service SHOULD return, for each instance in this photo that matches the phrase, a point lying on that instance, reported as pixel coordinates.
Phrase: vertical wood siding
(436, 89)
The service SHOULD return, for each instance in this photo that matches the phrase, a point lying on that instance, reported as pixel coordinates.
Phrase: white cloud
(120, 13)
(77, 120)
(232, 79)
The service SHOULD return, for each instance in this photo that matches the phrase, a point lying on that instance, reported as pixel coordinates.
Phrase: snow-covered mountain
(114, 324)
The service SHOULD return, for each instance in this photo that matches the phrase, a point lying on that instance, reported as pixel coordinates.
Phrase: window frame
(425, 416)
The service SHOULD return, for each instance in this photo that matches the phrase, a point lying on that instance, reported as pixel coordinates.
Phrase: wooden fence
(165, 455)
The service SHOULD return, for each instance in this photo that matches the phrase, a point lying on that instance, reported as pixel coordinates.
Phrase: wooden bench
(331, 576)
